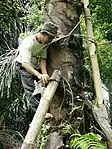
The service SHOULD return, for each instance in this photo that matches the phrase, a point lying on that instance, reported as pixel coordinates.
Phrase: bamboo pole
(93, 56)
(100, 114)
(42, 109)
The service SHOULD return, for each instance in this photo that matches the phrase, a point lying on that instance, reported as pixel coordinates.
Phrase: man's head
(49, 32)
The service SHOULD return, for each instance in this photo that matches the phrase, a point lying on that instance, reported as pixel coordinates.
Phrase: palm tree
(67, 56)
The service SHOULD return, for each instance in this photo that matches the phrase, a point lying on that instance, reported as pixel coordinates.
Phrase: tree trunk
(66, 56)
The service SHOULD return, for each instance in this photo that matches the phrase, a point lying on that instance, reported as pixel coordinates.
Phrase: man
(32, 56)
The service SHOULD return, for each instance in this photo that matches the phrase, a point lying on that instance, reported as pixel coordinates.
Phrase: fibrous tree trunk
(67, 56)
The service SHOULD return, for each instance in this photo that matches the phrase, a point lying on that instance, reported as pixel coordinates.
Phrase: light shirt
(31, 51)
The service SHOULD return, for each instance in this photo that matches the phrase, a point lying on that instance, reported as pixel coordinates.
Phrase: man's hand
(44, 78)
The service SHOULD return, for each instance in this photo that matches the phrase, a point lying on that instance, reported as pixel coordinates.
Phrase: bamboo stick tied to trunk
(100, 112)
(93, 56)
(41, 111)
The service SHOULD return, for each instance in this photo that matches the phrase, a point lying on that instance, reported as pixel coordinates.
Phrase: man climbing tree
(31, 61)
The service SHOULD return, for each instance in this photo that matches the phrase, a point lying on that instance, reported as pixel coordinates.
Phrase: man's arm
(43, 77)
(30, 69)
(43, 66)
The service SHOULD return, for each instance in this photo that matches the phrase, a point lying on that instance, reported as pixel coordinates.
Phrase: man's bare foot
(48, 115)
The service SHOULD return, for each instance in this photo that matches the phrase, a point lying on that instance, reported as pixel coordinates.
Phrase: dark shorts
(27, 80)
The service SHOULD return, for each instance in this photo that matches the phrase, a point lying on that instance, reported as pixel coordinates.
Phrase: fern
(87, 141)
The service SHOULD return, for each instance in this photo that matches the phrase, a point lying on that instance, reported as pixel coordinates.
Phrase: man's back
(30, 50)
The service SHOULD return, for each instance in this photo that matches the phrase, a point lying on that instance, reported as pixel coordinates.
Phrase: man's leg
(29, 87)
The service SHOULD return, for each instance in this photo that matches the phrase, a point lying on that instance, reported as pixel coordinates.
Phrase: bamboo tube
(93, 56)
(42, 109)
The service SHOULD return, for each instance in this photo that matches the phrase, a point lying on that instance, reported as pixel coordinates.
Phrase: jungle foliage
(87, 141)
(102, 23)
(18, 16)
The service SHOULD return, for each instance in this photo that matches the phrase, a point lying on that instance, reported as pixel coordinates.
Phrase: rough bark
(103, 122)
(66, 56)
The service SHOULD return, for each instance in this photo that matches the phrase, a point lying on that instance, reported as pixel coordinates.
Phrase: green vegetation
(34, 17)
(87, 141)
(102, 22)
(17, 17)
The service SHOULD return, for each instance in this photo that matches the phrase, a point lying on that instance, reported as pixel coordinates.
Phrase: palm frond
(7, 69)
(87, 141)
